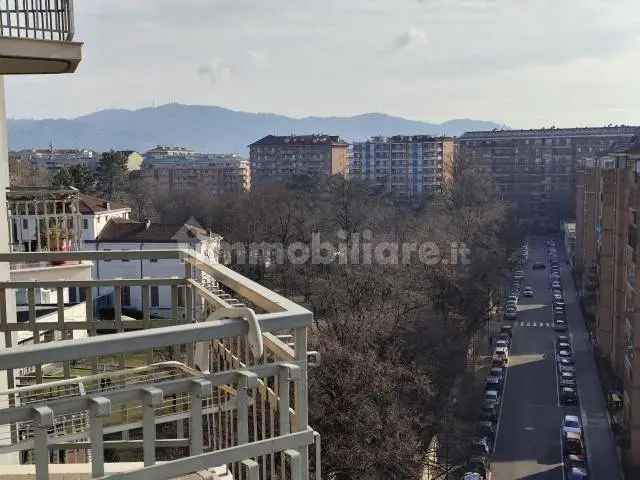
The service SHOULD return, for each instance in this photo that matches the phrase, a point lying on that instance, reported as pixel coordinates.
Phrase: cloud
(215, 72)
(413, 36)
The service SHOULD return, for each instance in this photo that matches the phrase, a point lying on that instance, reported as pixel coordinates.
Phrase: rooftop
(302, 140)
(405, 139)
(128, 231)
(617, 130)
(90, 205)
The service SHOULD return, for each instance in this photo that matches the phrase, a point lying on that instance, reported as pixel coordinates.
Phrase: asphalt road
(529, 444)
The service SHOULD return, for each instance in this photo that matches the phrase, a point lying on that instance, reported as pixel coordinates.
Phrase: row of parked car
(575, 463)
(479, 466)
(517, 288)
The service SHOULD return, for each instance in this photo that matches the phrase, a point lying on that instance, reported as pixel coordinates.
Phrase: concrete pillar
(11, 458)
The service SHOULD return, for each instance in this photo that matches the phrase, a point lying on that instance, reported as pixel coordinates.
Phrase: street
(529, 442)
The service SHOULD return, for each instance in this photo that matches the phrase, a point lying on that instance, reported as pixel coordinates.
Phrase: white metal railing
(37, 19)
(248, 418)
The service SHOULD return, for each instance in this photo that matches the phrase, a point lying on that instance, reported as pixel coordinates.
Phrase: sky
(524, 63)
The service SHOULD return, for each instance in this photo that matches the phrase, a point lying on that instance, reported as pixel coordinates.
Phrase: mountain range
(209, 128)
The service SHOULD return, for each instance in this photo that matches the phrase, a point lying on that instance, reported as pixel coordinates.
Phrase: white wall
(146, 268)
(97, 222)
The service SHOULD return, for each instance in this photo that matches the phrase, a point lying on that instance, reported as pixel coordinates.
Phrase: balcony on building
(36, 37)
(224, 377)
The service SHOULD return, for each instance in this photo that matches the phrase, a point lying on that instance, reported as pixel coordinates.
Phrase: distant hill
(209, 129)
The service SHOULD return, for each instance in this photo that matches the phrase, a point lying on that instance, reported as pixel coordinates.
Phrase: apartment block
(607, 248)
(406, 166)
(536, 169)
(278, 158)
(55, 159)
(179, 169)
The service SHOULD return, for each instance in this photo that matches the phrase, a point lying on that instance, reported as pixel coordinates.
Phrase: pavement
(529, 445)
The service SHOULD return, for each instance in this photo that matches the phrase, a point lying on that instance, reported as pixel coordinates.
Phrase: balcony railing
(37, 19)
(231, 361)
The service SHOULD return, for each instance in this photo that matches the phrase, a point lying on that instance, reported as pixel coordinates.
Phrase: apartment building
(536, 169)
(278, 158)
(607, 229)
(52, 159)
(179, 169)
(405, 166)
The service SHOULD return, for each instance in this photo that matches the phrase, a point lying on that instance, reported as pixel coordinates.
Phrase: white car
(571, 423)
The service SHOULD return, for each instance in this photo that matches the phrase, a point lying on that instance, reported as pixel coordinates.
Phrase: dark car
(507, 329)
(568, 396)
(493, 383)
(497, 372)
(573, 444)
(539, 266)
(560, 326)
(480, 447)
(489, 411)
(487, 430)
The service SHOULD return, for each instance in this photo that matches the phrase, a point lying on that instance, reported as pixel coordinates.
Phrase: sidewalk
(601, 443)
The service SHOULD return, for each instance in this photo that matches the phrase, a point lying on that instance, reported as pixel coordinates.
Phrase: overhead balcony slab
(22, 56)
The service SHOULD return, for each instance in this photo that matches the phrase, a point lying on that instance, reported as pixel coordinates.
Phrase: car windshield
(571, 423)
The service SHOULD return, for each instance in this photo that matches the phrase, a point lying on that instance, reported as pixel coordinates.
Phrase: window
(153, 260)
(25, 223)
(73, 295)
(155, 296)
(85, 224)
(126, 296)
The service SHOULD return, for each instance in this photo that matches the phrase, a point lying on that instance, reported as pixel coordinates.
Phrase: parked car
(577, 473)
(573, 444)
(571, 423)
(502, 344)
(566, 365)
(527, 292)
(564, 355)
(562, 339)
(502, 352)
(560, 326)
(489, 411)
(497, 373)
(493, 384)
(567, 376)
(480, 447)
(492, 395)
(556, 284)
(504, 337)
(507, 329)
(487, 430)
(563, 346)
(568, 396)
(573, 460)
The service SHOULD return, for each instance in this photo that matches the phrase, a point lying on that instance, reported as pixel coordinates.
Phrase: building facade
(404, 166)
(536, 169)
(120, 234)
(178, 169)
(278, 158)
(53, 160)
(607, 255)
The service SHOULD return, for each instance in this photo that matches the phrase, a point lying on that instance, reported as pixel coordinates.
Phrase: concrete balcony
(37, 37)
(224, 378)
